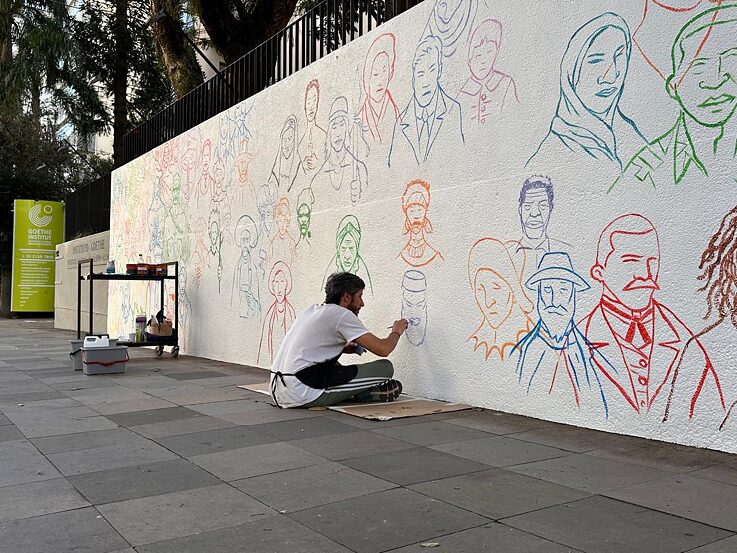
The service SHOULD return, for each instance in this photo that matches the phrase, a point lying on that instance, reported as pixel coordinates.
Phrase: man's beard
(556, 324)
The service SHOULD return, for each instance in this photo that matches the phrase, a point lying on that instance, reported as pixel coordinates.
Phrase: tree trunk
(175, 52)
(236, 32)
(120, 80)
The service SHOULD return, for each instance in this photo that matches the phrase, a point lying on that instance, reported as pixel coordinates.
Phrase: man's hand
(350, 347)
(400, 326)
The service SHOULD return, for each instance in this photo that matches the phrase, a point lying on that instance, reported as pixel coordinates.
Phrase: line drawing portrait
(342, 170)
(215, 234)
(176, 230)
(451, 21)
(206, 181)
(219, 186)
(719, 277)
(703, 82)
(378, 112)
(417, 252)
(282, 246)
(663, 18)
(225, 147)
(156, 214)
(305, 201)
(199, 251)
(280, 314)
(311, 148)
(249, 270)
(588, 124)
(246, 193)
(347, 256)
(635, 339)
(265, 202)
(189, 162)
(432, 119)
(414, 305)
(535, 207)
(287, 165)
(488, 90)
(554, 356)
(503, 305)
(239, 126)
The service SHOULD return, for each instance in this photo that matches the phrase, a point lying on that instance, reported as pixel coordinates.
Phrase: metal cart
(160, 342)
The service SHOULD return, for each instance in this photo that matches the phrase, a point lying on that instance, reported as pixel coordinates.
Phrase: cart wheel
(175, 352)
(159, 351)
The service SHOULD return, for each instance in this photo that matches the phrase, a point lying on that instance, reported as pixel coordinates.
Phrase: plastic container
(76, 355)
(104, 360)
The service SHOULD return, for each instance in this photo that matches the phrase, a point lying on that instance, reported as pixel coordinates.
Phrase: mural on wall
(432, 119)
(272, 195)
(588, 123)
(379, 112)
(535, 209)
(703, 84)
(342, 170)
(249, 269)
(414, 305)
(638, 338)
(347, 256)
(311, 147)
(554, 357)
(280, 315)
(503, 305)
(417, 252)
(488, 90)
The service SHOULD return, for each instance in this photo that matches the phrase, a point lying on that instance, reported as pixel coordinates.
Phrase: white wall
(191, 199)
(68, 254)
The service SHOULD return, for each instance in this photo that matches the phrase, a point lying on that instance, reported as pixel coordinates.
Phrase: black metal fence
(87, 209)
(322, 30)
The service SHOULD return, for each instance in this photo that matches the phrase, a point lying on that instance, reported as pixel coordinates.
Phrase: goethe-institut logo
(40, 215)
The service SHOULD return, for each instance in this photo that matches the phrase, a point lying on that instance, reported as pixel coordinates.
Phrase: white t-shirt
(318, 334)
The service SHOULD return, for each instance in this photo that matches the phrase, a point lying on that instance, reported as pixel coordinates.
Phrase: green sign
(38, 227)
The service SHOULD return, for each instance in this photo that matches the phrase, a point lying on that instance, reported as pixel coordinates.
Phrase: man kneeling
(306, 372)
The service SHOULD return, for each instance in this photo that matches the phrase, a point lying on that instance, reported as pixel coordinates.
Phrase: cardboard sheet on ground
(403, 406)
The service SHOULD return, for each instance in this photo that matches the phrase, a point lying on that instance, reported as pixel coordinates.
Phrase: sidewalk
(172, 457)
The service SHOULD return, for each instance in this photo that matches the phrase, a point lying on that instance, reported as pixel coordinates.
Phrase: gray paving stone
(590, 474)
(263, 416)
(414, 465)
(9, 432)
(194, 375)
(350, 445)
(496, 422)
(12, 400)
(62, 425)
(13, 376)
(4, 420)
(181, 426)
(36, 364)
(21, 463)
(432, 433)
(302, 488)
(206, 395)
(726, 472)
(110, 457)
(570, 438)
(218, 408)
(106, 394)
(39, 498)
(713, 503)
(728, 545)
(664, 456)
(500, 451)
(498, 493)
(386, 520)
(118, 407)
(490, 538)
(302, 428)
(78, 531)
(274, 534)
(172, 515)
(86, 440)
(602, 525)
(137, 418)
(256, 460)
(213, 441)
(134, 482)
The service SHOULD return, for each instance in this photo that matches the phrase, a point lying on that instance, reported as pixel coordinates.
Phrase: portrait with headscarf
(589, 125)
(502, 302)
(280, 315)
(287, 165)
(417, 252)
(347, 256)
(249, 269)
(378, 112)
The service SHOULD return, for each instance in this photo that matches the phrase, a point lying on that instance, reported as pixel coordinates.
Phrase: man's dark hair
(537, 182)
(342, 283)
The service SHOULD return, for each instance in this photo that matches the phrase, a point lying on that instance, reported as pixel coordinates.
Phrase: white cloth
(318, 334)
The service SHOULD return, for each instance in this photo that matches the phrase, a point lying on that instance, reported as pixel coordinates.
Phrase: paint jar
(140, 327)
